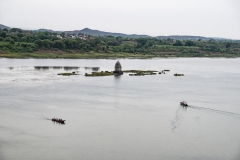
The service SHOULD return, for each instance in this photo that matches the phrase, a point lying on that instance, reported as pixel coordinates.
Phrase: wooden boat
(183, 103)
(58, 120)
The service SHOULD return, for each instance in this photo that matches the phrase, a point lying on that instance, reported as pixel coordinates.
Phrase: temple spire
(118, 68)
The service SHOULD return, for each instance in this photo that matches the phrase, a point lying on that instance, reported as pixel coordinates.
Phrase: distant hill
(175, 37)
(184, 37)
(44, 30)
(102, 33)
(47, 30)
(2, 27)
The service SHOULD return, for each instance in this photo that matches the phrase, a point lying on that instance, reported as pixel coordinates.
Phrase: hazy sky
(209, 18)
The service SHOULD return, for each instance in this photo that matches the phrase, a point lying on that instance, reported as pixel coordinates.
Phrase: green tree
(58, 44)
(141, 42)
(39, 43)
(178, 43)
(3, 34)
(10, 40)
(15, 30)
(47, 43)
(20, 35)
(5, 29)
(228, 45)
(189, 43)
(14, 37)
(62, 34)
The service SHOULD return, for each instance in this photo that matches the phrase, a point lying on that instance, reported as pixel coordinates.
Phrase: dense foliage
(21, 41)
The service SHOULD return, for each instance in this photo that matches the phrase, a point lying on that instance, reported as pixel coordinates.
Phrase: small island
(177, 74)
(140, 72)
(118, 71)
(96, 74)
(67, 74)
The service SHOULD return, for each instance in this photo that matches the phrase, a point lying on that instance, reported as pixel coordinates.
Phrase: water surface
(118, 118)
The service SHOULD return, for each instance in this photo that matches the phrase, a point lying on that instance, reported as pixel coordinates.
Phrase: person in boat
(183, 103)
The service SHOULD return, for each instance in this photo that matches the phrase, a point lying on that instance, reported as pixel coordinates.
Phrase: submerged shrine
(118, 69)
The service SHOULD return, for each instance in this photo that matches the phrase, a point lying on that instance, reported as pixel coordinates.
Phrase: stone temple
(118, 68)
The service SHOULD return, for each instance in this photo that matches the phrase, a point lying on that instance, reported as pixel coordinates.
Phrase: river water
(120, 117)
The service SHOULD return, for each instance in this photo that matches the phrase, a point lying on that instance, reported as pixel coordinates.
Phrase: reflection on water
(92, 68)
(117, 77)
(63, 67)
(59, 124)
(41, 67)
(70, 68)
(56, 67)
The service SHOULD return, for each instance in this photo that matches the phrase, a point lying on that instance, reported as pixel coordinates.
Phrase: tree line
(17, 40)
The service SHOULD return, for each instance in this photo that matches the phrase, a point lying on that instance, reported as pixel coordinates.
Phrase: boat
(184, 104)
(58, 120)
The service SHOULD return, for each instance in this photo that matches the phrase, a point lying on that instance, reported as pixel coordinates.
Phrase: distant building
(58, 36)
(118, 68)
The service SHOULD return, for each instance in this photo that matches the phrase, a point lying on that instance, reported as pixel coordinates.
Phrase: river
(120, 117)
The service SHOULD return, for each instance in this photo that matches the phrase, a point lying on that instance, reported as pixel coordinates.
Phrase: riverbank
(109, 55)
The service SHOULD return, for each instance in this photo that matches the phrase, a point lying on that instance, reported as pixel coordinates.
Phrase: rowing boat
(58, 120)
(183, 103)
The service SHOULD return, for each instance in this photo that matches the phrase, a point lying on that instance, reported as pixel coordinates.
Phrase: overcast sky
(209, 18)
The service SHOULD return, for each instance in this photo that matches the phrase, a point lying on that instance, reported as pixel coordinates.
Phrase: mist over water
(123, 117)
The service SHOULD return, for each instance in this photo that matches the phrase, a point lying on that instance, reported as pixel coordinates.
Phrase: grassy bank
(108, 55)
